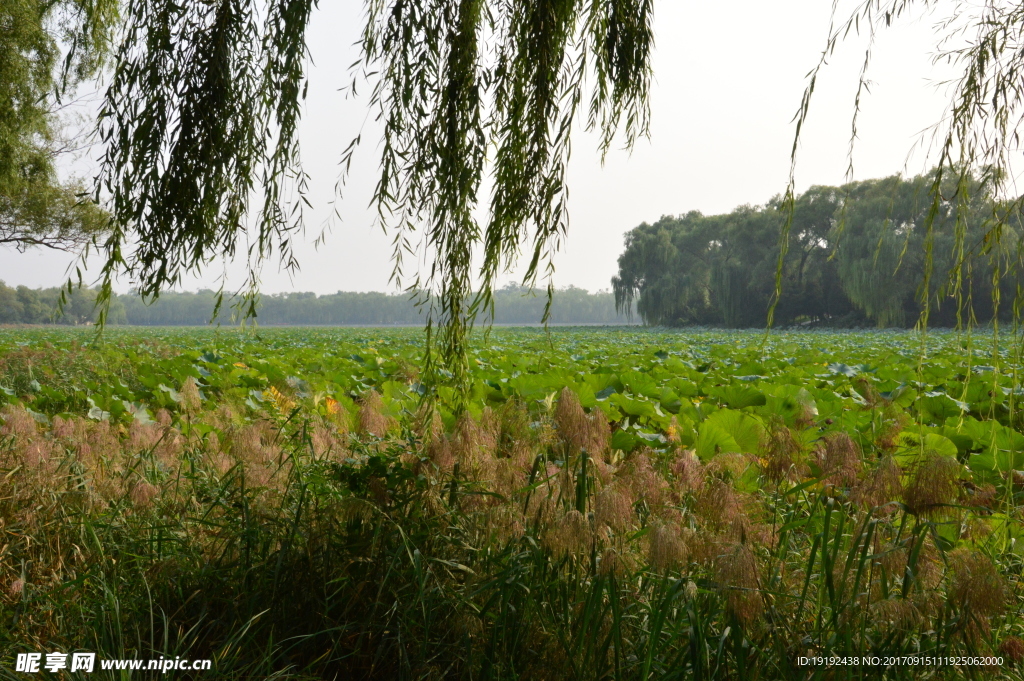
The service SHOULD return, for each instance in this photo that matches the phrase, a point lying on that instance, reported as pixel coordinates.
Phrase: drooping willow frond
(202, 113)
(974, 141)
(458, 79)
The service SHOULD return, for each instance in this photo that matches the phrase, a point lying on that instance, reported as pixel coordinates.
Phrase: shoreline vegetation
(514, 305)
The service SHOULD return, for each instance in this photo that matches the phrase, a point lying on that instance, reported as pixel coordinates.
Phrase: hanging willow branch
(202, 113)
(974, 141)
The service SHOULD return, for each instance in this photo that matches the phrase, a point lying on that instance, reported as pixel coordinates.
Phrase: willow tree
(202, 113)
(974, 142)
(47, 48)
(720, 269)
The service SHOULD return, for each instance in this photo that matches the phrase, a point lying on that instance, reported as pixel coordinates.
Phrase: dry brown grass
(189, 393)
(372, 419)
(1012, 647)
(688, 471)
(719, 508)
(781, 454)
(879, 487)
(934, 485)
(569, 535)
(577, 429)
(737, 573)
(667, 547)
(977, 591)
(638, 472)
(613, 507)
(840, 460)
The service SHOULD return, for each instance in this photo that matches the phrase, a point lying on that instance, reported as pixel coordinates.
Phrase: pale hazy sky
(728, 77)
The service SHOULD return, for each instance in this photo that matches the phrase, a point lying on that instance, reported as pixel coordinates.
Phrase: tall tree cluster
(47, 47)
(24, 305)
(878, 252)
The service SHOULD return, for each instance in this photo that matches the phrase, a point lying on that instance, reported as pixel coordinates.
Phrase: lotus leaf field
(611, 504)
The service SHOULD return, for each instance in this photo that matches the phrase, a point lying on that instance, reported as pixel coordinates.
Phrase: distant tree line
(513, 305)
(23, 305)
(857, 256)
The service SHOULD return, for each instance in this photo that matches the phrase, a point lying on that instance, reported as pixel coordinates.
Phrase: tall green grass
(516, 546)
